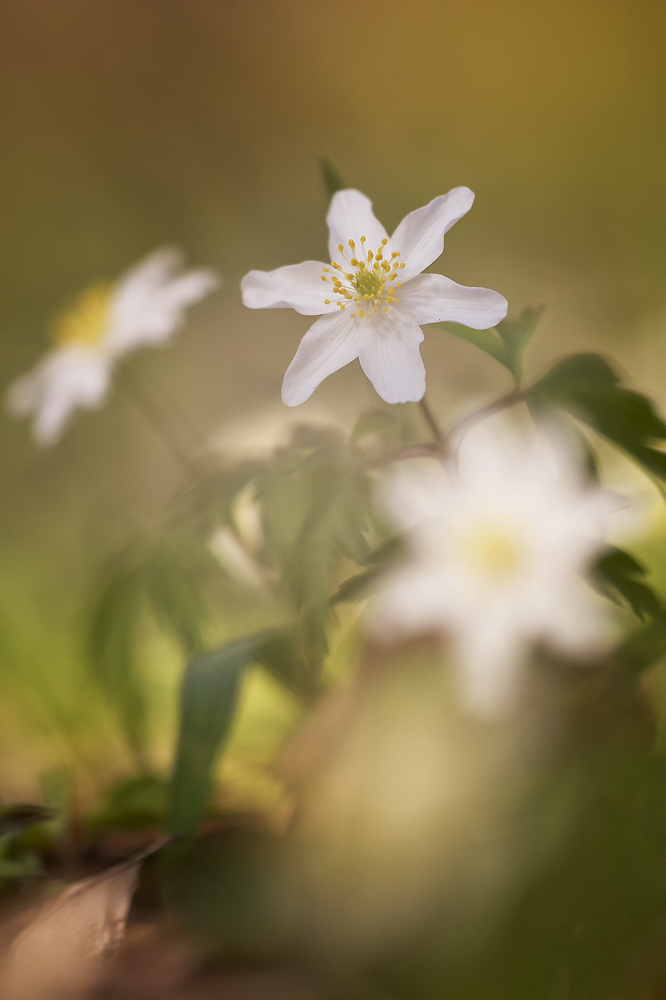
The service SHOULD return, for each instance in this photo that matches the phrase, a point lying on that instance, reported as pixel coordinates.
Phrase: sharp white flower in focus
(497, 551)
(144, 308)
(373, 298)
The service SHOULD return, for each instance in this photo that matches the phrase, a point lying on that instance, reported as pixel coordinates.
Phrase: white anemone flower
(497, 549)
(143, 308)
(372, 297)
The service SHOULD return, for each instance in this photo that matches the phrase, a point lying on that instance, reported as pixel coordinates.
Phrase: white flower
(372, 297)
(497, 548)
(144, 307)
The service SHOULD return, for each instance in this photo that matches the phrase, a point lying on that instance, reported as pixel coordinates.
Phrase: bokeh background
(127, 124)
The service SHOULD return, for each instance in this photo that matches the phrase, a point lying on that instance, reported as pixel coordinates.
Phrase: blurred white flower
(143, 308)
(372, 297)
(497, 547)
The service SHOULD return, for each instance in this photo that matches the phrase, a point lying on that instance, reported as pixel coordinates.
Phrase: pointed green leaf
(332, 176)
(588, 388)
(208, 702)
(506, 344)
(620, 577)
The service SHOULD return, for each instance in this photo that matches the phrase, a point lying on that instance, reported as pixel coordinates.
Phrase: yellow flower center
(369, 285)
(494, 552)
(86, 320)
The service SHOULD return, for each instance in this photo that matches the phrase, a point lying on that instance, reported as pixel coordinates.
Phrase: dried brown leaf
(56, 954)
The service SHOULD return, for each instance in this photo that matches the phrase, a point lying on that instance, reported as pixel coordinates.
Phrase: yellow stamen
(86, 321)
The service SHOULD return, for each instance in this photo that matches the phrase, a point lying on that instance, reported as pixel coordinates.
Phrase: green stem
(145, 401)
(430, 420)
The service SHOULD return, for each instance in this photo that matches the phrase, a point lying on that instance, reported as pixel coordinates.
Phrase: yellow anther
(396, 253)
(353, 315)
(385, 309)
(370, 255)
(341, 248)
(353, 262)
(327, 302)
(327, 269)
(399, 285)
(401, 265)
(384, 242)
(361, 265)
(374, 309)
(337, 267)
(362, 239)
(380, 255)
(352, 244)
(376, 267)
(361, 313)
(349, 277)
(324, 278)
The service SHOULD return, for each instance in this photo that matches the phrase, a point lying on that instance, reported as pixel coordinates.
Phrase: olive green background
(127, 124)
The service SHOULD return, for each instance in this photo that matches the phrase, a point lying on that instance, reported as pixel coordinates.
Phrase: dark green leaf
(588, 388)
(332, 176)
(487, 340)
(207, 707)
(644, 648)
(619, 576)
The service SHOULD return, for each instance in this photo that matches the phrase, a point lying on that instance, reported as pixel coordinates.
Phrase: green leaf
(281, 655)
(645, 647)
(208, 702)
(332, 176)
(588, 388)
(113, 645)
(507, 344)
(620, 577)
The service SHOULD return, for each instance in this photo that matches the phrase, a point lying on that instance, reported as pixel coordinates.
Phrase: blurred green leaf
(508, 344)
(281, 655)
(645, 647)
(620, 577)
(332, 176)
(208, 701)
(588, 388)
(357, 587)
(136, 802)
(113, 647)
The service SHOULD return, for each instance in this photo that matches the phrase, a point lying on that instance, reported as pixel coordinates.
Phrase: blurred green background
(127, 124)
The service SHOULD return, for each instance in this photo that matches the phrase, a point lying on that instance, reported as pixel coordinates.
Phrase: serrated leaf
(620, 577)
(332, 176)
(506, 343)
(587, 387)
(208, 699)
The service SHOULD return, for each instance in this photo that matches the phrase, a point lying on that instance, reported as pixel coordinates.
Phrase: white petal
(331, 343)
(350, 217)
(390, 357)
(420, 235)
(66, 379)
(490, 656)
(298, 286)
(150, 301)
(432, 298)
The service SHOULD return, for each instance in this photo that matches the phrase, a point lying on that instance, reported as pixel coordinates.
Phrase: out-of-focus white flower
(497, 548)
(144, 308)
(372, 297)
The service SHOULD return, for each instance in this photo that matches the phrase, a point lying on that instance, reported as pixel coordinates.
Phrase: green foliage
(207, 705)
(507, 344)
(620, 576)
(332, 177)
(165, 580)
(588, 388)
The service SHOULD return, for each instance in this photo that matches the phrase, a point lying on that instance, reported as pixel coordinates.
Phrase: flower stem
(430, 420)
(145, 401)
(501, 403)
